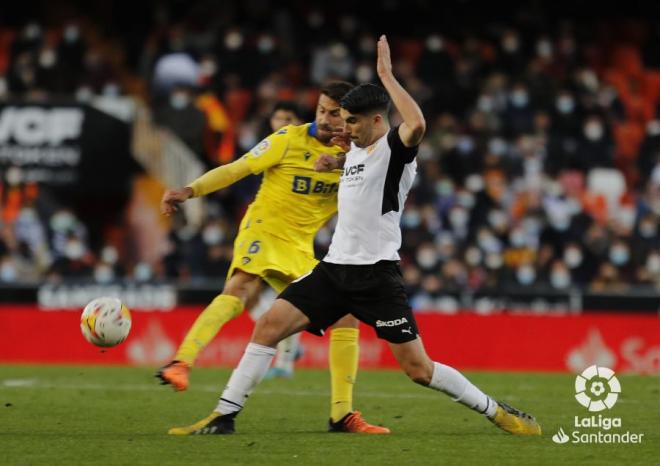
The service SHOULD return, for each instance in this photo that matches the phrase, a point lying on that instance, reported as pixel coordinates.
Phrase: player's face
(360, 128)
(281, 118)
(328, 119)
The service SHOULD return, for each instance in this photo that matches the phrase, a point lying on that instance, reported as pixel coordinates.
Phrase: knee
(348, 321)
(419, 372)
(267, 331)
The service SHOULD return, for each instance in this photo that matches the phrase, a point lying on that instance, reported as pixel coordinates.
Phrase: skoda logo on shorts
(597, 388)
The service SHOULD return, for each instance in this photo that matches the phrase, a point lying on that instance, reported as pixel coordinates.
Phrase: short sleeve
(268, 152)
(399, 151)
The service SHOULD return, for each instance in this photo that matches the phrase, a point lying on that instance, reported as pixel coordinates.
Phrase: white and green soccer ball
(105, 322)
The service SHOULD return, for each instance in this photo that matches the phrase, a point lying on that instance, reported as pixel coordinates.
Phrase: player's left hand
(326, 163)
(384, 62)
(341, 139)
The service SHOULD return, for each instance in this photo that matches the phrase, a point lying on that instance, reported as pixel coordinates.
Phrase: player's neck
(379, 133)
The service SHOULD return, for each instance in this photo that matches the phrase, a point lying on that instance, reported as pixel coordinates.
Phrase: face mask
(364, 74)
(544, 49)
(532, 226)
(179, 100)
(142, 272)
(565, 105)
(427, 258)
(497, 146)
(434, 43)
(266, 44)
(109, 255)
(593, 131)
(411, 219)
(517, 238)
(488, 243)
(653, 128)
(8, 272)
(573, 257)
(525, 275)
(648, 230)
(71, 34)
(465, 145)
(444, 188)
(519, 99)
(234, 40)
(212, 235)
(485, 104)
(497, 218)
(494, 261)
(74, 250)
(653, 264)
(27, 215)
(47, 58)
(458, 217)
(560, 222)
(62, 221)
(104, 274)
(510, 43)
(473, 256)
(474, 183)
(84, 94)
(560, 280)
(247, 138)
(619, 255)
(465, 199)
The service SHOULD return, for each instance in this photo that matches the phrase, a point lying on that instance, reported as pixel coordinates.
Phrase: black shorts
(375, 294)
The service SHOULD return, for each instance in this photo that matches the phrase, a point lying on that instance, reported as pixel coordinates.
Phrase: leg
(343, 358)
(422, 370)
(240, 289)
(282, 320)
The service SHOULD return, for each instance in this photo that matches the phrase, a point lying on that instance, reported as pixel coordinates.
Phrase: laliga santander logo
(597, 388)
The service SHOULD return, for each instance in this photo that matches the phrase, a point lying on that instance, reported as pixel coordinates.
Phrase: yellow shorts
(276, 260)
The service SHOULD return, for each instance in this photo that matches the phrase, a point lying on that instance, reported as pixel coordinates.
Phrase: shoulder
(407, 154)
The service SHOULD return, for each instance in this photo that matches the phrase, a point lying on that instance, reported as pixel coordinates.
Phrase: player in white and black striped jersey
(360, 274)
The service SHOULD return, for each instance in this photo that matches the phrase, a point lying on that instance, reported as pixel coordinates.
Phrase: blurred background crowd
(540, 167)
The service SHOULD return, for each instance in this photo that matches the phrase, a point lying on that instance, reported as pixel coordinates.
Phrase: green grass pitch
(83, 415)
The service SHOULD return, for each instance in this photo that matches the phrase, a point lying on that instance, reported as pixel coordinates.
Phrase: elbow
(418, 129)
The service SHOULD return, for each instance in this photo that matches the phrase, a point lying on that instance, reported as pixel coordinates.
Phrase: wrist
(189, 191)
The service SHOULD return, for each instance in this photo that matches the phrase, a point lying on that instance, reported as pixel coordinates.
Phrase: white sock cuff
(256, 348)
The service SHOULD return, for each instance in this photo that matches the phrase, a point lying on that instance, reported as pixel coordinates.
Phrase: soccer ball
(105, 322)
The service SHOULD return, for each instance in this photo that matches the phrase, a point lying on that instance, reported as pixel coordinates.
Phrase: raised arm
(413, 127)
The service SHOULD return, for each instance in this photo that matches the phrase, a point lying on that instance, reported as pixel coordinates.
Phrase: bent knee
(419, 373)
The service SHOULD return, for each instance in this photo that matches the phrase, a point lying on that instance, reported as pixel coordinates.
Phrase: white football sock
(286, 352)
(250, 370)
(453, 383)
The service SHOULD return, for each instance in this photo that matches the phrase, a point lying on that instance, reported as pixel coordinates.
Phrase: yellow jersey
(294, 200)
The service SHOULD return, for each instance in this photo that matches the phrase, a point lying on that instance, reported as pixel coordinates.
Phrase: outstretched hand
(384, 62)
(170, 201)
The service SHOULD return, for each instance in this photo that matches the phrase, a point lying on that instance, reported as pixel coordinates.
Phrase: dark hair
(287, 106)
(366, 98)
(336, 90)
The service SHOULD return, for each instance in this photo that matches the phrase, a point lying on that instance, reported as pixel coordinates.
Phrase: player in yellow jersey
(275, 244)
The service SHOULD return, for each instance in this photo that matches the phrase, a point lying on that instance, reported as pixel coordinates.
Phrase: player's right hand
(172, 198)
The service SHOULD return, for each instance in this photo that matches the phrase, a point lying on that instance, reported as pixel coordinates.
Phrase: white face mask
(653, 264)
(427, 258)
(179, 100)
(526, 275)
(485, 104)
(519, 98)
(573, 257)
(213, 235)
(593, 131)
(560, 279)
(104, 274)
(473, 256)
(74, 250)
(565, 105)
(142, 272)
(411, 218)
(109, 255)
(8, 273)
(517, 238)
(497, 218)
(619, 255)
(648, 229)
(458, 217)
(494, 261)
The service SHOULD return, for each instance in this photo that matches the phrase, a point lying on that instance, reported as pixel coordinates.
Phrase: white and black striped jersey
(372, 192)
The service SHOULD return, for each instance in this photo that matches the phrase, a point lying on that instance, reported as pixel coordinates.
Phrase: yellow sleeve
(268, 152)
(220, 177)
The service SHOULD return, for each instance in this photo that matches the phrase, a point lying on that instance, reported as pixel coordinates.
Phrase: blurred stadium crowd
(540, 167)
